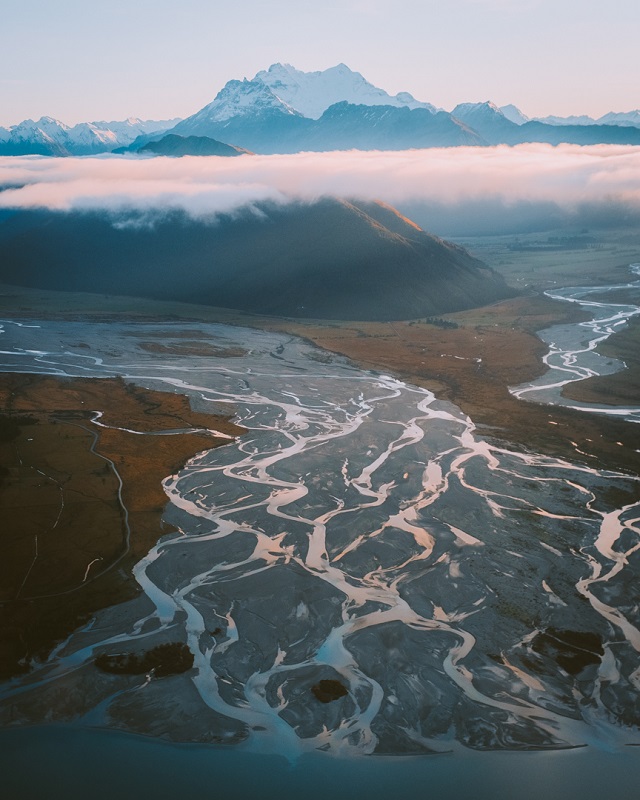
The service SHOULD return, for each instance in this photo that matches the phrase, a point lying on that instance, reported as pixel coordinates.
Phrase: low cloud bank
(528, 182)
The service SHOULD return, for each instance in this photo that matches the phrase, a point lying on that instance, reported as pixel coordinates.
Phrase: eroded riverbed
(361, 532)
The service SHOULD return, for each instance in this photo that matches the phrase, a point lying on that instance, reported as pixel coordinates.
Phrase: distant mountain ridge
(285, 110)
(496, 128)
(50, 137)
(343, 126)
(621, 118)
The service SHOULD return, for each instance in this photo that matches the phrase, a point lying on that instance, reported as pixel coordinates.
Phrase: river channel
(468, 597)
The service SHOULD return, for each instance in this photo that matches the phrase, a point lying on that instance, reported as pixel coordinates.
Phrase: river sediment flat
(362, 532)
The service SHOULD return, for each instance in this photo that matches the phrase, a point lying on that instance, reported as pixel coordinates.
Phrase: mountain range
(330, 259)
(50, 137)
(285, 110)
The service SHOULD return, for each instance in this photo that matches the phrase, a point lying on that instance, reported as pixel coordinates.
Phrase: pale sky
(80, 60)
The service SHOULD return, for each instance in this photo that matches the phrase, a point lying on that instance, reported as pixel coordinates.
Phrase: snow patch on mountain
(49, 136)
(581, 119)
(624, 118)
(486, 110)
(245, 98)
(311, 93)
(513, 114)
(129, 129)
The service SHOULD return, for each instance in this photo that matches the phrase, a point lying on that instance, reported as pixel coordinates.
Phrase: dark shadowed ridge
(174, 145)
(331, 259)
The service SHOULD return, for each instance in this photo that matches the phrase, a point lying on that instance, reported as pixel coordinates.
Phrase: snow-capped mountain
(129, 129)
(286, 90)
(494, 127)
(50, 137)
(311, 93)
(285, 110)
(237, 99)
(485, 118)
(513, 114)
(624, 118)
(486, 110)
(46, 136)
(582, 119)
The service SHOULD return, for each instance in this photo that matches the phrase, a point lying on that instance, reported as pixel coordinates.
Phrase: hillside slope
(331, 259)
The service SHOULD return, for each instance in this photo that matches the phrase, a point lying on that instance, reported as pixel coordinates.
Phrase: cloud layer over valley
(529, 181)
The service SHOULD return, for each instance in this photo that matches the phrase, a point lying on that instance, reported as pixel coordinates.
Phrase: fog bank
(531, 184)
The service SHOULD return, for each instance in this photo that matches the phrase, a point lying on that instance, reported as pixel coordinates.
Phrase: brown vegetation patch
(472, 365)
(66, 549)
(170, 658)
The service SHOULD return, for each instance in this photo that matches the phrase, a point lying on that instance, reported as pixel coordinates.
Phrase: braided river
(471, 598)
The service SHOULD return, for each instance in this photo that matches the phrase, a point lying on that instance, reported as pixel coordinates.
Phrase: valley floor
(470, 359)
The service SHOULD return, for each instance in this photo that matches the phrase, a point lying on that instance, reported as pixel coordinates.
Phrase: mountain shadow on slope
(331, 259)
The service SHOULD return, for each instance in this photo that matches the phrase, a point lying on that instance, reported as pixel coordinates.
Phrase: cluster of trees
(442, 323)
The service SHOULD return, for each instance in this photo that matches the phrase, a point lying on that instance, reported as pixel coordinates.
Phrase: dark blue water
(68, 763)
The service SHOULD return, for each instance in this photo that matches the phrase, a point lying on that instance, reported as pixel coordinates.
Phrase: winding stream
(572, 352)
(361, 531)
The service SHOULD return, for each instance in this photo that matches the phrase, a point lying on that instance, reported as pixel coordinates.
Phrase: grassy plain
(69, 538)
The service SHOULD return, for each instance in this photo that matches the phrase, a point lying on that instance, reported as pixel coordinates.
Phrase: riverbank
(472, 362)
(83, 502)
(621, 388)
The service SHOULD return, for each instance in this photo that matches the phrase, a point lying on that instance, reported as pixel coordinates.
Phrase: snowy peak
(311, 93)
(49, 136)
(241, 98)
(487, 120)
(128, 129)
(513, 114)
(624, 118)
(486, 110)
(573, 120)
(46, 136)
(45, 127)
